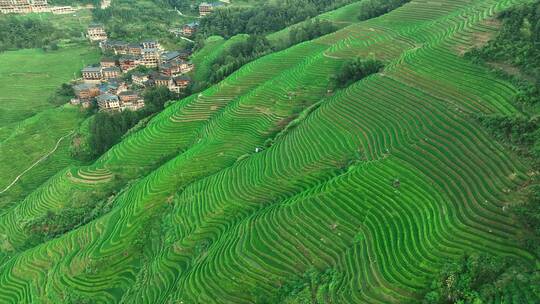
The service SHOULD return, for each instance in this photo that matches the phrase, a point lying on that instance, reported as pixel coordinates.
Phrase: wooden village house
(96, 32)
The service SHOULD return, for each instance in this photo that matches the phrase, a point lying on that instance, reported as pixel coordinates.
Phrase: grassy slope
(218, 223)
(29, 125)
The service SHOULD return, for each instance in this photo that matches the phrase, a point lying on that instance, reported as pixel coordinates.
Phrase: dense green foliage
(528, 214)
(265, 18)
(155, 99)
(357, 69)
(239, 54)
(309, 30)
(375, 8)
(519, 130)
(19, 33)
(134, 21)
(106, 129)
(62, 95)
(309, 288)
(256, 46)
(518, 42)
(482, 278)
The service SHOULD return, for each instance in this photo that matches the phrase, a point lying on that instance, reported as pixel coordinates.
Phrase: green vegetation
(481, 278)
(62, 95)
(134, 21)
(29, 77)
(357, 69)
(516, 49)
(238, 54)
(28, 82)
(269, 187)
(266, 18)
(106, 129)
(18, 33)
(374, 8)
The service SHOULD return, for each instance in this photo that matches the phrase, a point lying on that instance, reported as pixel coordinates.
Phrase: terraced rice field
(241, 188)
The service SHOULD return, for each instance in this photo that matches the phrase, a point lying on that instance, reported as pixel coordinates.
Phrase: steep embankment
(382, 182)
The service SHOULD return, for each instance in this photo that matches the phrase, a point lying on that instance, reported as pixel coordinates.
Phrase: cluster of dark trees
(357, 69)
(518, 42)
(375, 8)
(239, 54)
(62, 95)
(107, 129)
(257, 46)
(19, 32)
(482, 278)
(265, 18)
(310, 30)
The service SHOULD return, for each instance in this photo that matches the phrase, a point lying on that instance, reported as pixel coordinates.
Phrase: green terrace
(229, 194)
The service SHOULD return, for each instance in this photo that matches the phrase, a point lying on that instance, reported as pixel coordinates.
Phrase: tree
(155, 98)
(357, 69)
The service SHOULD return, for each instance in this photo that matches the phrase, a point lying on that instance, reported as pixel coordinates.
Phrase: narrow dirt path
(37, 162)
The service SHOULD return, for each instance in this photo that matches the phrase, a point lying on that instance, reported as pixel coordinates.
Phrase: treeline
(265, 18)
(375, 8)
(256, 46)
(107, 129)
(21, 32)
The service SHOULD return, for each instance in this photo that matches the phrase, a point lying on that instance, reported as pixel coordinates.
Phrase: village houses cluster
(33, 6)
(104, 83)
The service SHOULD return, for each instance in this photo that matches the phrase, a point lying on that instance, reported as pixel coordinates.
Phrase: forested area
(19, 33)
(481, 278)
(266, 18)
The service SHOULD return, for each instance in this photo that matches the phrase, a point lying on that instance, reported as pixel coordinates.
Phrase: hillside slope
(232, 194)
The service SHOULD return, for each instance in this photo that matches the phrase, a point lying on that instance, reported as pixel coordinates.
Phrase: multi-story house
(128, 63)
(91, 74)
(107, 62)
(96, 32)
(108, 101)
(111, 72)
(178, 84)
(150, 58)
